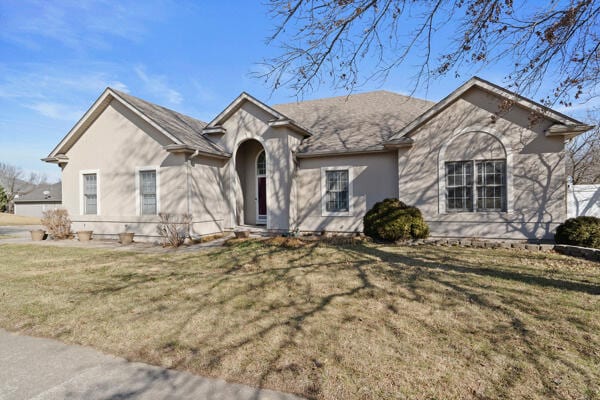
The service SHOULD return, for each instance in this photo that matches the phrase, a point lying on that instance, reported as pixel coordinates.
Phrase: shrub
(580, 231)
(3, 200)
(393, 220)
(174, 228)
(57, 223)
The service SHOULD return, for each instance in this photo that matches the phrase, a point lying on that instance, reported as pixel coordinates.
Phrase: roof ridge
(354, 95)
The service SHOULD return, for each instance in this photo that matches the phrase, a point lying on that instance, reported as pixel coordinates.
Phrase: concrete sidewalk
(44, 369)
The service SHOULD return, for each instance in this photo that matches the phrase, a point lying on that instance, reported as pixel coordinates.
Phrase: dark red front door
(262, 197)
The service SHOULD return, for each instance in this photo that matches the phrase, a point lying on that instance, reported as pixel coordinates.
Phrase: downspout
(188, 179)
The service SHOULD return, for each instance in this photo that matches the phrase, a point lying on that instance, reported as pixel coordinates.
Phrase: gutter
(343, 153)
(187, 149)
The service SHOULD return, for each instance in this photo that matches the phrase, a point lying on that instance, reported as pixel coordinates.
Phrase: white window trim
(442, 168)
(138, 198)
(260, 219)
(324, 211)
(81, 190)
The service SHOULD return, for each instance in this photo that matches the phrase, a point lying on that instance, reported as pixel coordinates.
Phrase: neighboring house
(475, 165)
(583, 200)
(42, 198)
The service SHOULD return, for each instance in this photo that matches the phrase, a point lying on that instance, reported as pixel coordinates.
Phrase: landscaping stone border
(576, 251)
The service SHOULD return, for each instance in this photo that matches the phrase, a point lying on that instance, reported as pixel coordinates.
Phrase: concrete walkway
(44, 369)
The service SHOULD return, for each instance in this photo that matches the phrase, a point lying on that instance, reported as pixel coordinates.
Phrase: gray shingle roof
(359, 122)
(186, 129)
(37, 195)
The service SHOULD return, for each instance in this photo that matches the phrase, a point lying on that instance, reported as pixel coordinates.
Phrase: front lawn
(7, 219)
(326, 322)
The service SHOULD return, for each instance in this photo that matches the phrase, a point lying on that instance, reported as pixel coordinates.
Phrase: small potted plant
(38, 234)
(84, 235)
(126, 237)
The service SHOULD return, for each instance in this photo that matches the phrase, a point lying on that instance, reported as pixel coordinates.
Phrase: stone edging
(576, 251)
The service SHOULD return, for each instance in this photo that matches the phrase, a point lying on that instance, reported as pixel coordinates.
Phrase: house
(42, 198)
(482, 162)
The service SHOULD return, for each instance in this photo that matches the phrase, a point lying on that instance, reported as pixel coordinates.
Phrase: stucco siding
(469, 130)
(116, 144)
(374, 177)
(207, 196)
(251, 123)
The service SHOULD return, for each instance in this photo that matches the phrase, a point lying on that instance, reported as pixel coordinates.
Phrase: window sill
(336, 214)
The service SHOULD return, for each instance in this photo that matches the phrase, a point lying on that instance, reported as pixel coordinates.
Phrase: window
(459, 185)
(337, 196)
(90, 193)
(487, 192)
(148, 192)
(491, 192)
(261, 164)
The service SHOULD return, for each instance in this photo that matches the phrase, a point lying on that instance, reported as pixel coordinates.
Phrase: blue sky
(56, 58)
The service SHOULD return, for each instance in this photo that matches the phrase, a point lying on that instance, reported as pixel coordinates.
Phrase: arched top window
(474, 173)
(261, 164)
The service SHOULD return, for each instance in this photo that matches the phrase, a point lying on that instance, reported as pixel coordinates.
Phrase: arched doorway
(251, 168)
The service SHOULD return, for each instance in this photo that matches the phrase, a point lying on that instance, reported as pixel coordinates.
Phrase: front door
(262, 199)
(261, 189)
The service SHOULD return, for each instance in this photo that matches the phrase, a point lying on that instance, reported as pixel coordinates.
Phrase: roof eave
(290, 124)
(399, 144)
(58, 159)
(219, 130)
(187, 149)
(335, 153)
(567, 131)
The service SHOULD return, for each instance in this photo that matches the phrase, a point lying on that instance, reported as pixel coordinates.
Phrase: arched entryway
(251, 168)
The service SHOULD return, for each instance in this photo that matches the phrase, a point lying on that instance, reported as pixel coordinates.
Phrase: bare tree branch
(16, 183)
(350, 42)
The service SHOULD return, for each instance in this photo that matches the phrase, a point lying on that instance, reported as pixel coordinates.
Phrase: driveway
(17, 232)
(44, 369)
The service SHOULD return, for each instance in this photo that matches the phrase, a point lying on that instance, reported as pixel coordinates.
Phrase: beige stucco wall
(535, 166)
(207, 195)
(251, 122)
(374, 177)
(115, 144)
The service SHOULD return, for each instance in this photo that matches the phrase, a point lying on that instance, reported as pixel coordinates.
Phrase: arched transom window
(261, 164)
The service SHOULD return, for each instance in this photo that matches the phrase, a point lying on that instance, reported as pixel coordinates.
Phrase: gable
(115, 135)
(268, 114)
(480, 92)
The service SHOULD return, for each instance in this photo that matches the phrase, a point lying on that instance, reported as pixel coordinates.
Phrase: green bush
(393, 220)
(3, 200)
(580, 231)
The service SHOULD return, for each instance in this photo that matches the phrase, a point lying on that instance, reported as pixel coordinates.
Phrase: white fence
(583, 200)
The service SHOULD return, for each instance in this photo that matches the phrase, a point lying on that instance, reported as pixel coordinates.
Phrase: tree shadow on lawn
(406, 271)
(269, 316)
(492, 271)
(429, 265)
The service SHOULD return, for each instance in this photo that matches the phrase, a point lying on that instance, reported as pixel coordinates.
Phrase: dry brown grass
(11, 220)
(354, 322)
